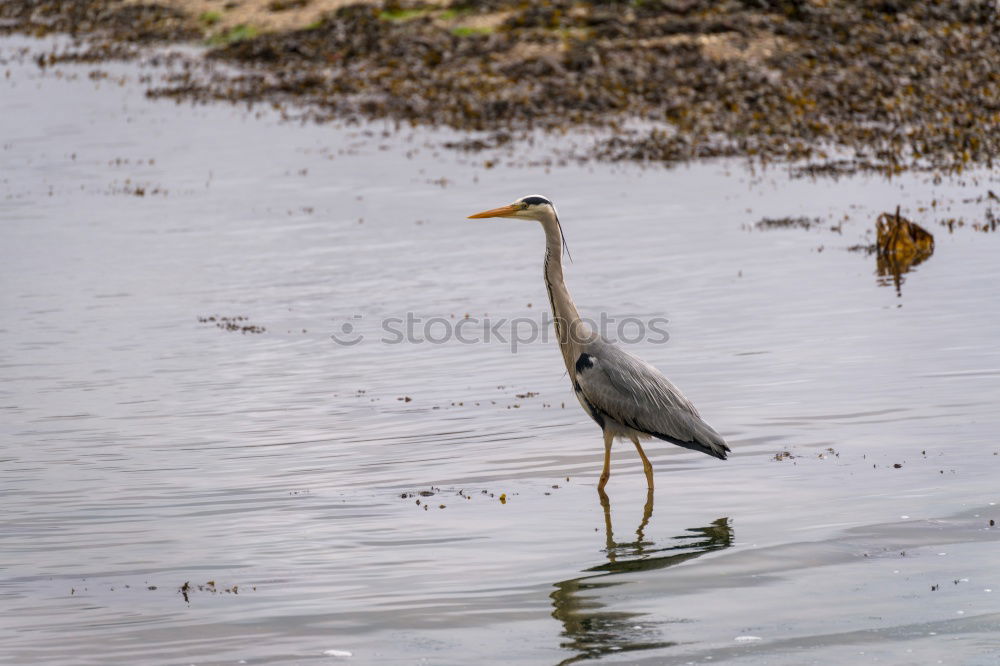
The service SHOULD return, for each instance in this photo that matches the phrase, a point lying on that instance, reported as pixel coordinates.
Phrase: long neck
(570, 331)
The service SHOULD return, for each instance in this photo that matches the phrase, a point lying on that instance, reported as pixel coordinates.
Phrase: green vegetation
(237, 33)
(209, 18)
(469, 31)
(453, 13)
(402, 14)
(284, 5)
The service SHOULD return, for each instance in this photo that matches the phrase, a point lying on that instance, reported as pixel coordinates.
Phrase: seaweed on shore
(110, 19)
(875, 85)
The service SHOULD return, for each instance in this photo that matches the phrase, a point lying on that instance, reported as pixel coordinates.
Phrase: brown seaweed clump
(898, 237)
(900, 245)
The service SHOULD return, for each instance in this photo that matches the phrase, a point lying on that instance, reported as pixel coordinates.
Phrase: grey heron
(626, 396)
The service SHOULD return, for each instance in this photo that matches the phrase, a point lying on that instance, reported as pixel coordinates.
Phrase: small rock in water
(337, 653)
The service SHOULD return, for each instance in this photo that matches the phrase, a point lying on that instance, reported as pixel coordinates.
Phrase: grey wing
(637, 395)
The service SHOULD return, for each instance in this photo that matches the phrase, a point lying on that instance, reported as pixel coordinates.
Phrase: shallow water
(143, 448)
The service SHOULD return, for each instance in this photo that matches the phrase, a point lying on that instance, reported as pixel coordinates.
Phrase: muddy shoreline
(833, 86)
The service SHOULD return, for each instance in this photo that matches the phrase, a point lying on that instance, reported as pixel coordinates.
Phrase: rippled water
(278, 473)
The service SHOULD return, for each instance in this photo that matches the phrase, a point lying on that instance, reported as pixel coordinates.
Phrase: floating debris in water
(900, 246)
(461, 492)
(902, 239)
(788, 223)
(232, 324)
(187, 589)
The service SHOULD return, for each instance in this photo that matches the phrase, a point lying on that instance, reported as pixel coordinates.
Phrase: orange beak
(502, 211)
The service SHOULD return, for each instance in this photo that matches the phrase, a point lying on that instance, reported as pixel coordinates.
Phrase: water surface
(275, 472)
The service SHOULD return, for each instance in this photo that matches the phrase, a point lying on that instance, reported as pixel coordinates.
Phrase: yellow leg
(647, 466)
(606, 473)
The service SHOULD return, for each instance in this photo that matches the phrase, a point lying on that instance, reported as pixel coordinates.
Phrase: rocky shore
(832, 85)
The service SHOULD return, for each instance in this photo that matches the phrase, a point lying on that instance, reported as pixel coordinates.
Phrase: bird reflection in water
(589, 630)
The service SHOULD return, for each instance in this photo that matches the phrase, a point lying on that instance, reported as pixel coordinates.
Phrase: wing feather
(637, 395)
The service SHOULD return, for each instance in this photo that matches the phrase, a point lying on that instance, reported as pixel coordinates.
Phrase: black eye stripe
(535, 201)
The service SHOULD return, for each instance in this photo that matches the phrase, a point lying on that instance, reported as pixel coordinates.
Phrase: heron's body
(623, 394)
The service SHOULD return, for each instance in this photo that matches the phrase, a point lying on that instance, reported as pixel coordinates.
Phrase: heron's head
(531, 207)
